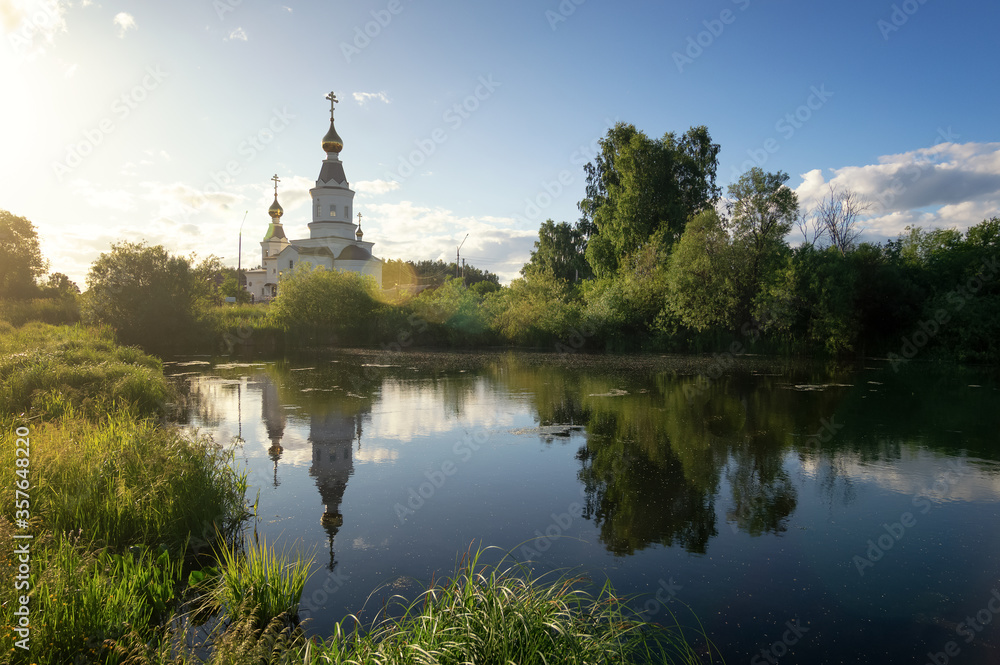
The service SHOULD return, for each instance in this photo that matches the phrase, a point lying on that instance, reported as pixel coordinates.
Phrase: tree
(21, 262)
(559, 251)
(59, 285)
(147, 295)
(699, 279)
(837, 218)
(638, 187)
(762, 210)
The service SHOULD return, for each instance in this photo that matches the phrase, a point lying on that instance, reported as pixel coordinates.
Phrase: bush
(326, 306)
(146, 295)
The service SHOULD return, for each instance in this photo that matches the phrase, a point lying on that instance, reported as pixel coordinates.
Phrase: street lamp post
(239, 258)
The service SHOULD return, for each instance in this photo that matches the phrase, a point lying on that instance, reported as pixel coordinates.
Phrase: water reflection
(742, 488)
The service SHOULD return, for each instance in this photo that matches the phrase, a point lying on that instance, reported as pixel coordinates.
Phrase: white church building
(334, 243)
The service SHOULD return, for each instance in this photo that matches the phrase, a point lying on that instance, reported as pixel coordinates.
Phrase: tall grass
(46, 370)
(260, 583)
(128, 482)
(47, 310)
(84, 599)
(489, 614)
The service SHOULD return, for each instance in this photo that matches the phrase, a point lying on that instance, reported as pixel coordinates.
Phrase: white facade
(334, 242)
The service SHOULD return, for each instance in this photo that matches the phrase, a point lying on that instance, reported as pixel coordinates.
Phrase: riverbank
(122, 535)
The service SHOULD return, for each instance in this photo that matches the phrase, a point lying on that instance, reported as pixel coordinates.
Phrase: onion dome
(332, 141)
(275, 211)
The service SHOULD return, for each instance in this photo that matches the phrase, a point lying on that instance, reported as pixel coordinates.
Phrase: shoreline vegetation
(139, 550)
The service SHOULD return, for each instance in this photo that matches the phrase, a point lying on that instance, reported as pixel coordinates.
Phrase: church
(335, 242)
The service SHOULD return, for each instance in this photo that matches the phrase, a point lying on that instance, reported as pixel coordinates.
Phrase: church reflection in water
(335, 426)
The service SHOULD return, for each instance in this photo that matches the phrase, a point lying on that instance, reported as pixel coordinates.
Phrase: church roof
(314, 251)
(332, 171)
(354, 253)
(274, 232)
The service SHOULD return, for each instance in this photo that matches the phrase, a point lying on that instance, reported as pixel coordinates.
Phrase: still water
(803, 513)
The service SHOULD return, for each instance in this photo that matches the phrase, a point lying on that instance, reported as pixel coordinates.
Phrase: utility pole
(239, 257)
(457, 253)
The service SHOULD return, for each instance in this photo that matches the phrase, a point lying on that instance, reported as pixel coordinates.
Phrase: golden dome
(275, 211)
(332, 141)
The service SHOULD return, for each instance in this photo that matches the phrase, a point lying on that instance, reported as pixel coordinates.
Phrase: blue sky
(165, 121)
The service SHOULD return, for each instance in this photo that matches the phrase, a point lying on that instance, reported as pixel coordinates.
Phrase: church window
(347, 214)
(290, 263)
(333, 210)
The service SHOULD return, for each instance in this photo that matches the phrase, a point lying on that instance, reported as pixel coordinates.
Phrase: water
(803, 513)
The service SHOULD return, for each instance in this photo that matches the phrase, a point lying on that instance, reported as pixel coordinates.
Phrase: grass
(83, 599)
(260, 583)
(119, 505)
(47, 371)
(128, 482)
(489, 614)
(47, 310)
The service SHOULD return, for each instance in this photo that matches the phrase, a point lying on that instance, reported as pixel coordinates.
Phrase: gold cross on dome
(333, 100)
(276, 180)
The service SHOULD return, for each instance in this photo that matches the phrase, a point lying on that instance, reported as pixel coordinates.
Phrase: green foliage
(535, 311)
(60, 310)
(146, 295)
(21, 262)
(702, 292)
(560, 252)
(450, 314)
(326, 305)
(762, 212)
(638, 187)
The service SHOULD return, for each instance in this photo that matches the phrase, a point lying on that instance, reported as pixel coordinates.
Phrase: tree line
(658, 261)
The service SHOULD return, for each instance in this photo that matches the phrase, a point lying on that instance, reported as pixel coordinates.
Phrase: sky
(165, 121)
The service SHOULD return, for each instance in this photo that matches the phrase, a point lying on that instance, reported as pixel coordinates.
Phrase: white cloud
(405, 231)
(125, 22)
(375, 187)
(115, 199)
(946, 185)
(237, 34)
(363, 98)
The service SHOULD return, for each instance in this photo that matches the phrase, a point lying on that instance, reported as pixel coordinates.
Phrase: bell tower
(332, 197)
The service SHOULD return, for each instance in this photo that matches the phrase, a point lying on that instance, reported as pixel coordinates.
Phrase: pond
(802, 512)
